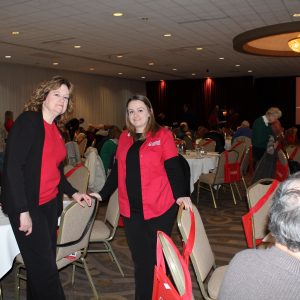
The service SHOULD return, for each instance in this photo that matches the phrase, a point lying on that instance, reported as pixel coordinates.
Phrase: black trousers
(39, 252)
(141, 235)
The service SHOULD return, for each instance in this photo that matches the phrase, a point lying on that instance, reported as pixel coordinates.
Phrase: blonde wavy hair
(35, 103)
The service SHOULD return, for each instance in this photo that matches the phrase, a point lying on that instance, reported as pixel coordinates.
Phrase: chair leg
(213, 196)
(232, 192)
(18, 280)
(73, 274)
(88, 274)
(198, 189)
(237, 188)
(244, 182)
(112, 253)
(1, 294)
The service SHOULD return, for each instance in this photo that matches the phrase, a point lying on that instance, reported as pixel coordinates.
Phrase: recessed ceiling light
(221, 58)
(151, 63)
(7, 56)
(199, 48)
(193, 74)
(92, 69)
(174, 69)
(143, 77)
(118, 14)
(237, 65)
(167, 34)
(250, 71)
(119, 56)
(296, 15)
(15, 32)
(77, 46)
(55, 64)
(120, 73)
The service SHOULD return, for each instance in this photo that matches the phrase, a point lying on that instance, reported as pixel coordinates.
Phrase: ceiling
(49, 30)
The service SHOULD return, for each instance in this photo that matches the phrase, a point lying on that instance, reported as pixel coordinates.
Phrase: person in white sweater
(271, 273)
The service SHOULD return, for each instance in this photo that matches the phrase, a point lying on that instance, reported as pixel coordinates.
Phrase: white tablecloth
(8, 245)
(201, 165)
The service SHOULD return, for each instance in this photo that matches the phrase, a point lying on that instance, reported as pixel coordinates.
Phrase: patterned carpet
(224, 230)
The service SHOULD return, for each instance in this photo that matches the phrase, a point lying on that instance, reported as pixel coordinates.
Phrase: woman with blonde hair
(34, 182)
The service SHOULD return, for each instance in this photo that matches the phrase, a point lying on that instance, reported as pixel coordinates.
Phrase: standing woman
(34, 182)
(150, 182)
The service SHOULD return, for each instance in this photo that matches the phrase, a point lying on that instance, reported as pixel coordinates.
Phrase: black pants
(141, 235)
(39, 252)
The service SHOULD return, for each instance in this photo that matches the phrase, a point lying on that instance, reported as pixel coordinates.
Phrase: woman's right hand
(25, 223)
(96, 195)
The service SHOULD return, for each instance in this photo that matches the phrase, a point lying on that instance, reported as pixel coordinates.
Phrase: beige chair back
(260, 219)
(290, 149)
(113, 210)
(79, 179)
(82, 146)
(173, 263)
(244, 139)
(73, 154)
(239, 147)
(75, 228)
(232, 157)
(202, 256)
(209, 147)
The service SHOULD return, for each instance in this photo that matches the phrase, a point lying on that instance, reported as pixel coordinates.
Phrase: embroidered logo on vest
(155, 143)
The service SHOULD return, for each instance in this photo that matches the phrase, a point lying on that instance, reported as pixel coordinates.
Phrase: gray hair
(284, 213)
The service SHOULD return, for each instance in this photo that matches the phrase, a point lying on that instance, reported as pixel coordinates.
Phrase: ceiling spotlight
(237, 65)
(119, 56)
(294, 44)
(143, 77)
(167, 34)
(92, 69)
(221, 58)
(151, 63)
(118, 14)
(199, 48)
(77, 46)
(250, 71)
(7, 56)
(193, 74)
(55, 64)
(120, 73)
(296, 15)
(15, 33)
(174, 69)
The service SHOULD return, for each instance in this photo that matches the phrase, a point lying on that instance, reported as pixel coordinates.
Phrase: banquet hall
(238, 55)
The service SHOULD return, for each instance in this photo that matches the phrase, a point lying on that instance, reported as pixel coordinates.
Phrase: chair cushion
(207, 178)
(215, 282)
(100, 231)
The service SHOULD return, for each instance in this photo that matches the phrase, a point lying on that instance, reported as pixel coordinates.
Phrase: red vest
(156, 190)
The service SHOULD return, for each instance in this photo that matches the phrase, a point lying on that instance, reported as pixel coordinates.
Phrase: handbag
(232, 172)
(247, 218)
(163, 288)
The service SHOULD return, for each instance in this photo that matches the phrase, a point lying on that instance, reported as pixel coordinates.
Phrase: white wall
(97, 99)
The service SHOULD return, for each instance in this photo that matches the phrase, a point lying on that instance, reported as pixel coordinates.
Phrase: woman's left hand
(187, 202)
(79, 198)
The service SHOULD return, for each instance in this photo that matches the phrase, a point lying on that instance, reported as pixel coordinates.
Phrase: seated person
(272, 273)
(109, 148)
(243, 130)
(217, 136)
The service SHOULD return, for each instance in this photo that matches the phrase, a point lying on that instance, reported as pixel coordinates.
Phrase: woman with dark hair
(150, 181)
(34, 182)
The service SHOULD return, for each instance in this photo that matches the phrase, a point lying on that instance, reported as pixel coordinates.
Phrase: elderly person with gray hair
(272, 273)
(262, 130)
